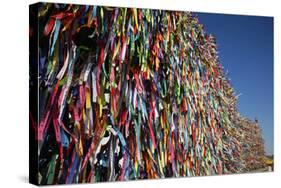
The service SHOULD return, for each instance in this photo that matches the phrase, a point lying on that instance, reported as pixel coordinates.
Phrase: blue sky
(245, 46)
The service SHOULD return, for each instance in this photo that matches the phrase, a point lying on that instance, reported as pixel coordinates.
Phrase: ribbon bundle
(252, 145)
(128, 93)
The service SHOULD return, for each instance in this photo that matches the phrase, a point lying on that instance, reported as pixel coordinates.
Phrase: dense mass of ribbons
(252, 154)
(129, 93)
